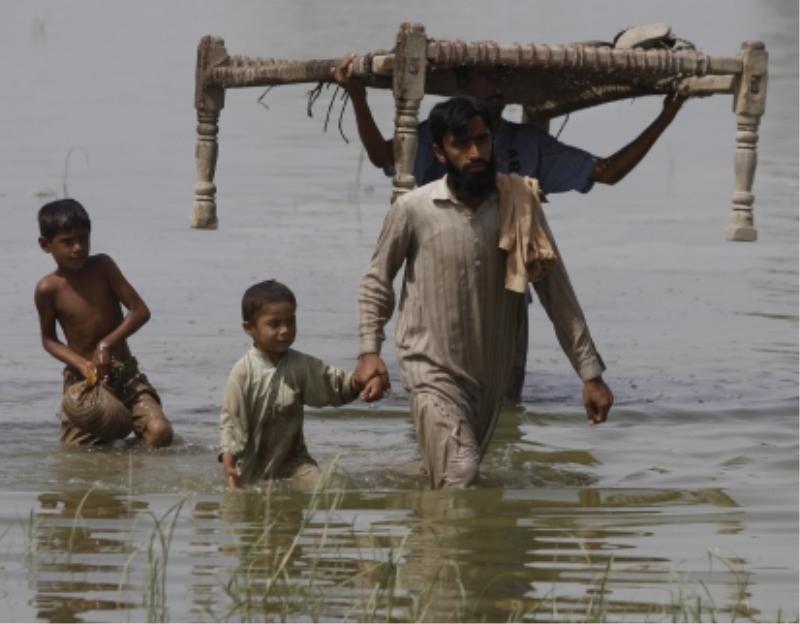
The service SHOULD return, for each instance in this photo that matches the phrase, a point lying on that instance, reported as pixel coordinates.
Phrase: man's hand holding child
(371, 376)
(375, 389)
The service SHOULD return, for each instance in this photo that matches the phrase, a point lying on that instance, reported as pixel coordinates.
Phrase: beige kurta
(261, 422)
(457, 322)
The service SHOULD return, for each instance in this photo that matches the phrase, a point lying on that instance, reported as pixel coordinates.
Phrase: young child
(261, 423)
(83, 295)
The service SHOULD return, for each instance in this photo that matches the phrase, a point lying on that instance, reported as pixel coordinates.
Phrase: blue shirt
(518, 148)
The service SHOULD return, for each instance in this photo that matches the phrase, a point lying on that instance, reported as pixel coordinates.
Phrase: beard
(465, 183)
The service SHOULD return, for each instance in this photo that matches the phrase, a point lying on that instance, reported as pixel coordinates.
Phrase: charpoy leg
(749, 105)
(209, 101)
(408, 85)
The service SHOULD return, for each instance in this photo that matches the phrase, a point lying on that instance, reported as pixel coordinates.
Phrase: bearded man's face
(469, 160)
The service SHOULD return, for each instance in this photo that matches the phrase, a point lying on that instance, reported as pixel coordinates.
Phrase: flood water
(684, 506)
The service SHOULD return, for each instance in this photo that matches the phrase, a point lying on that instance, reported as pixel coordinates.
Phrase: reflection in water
(80, 545)
(489, 554)
(536, 540)
(289, 552)
(551, 549)
(480, 554)
(95, 549)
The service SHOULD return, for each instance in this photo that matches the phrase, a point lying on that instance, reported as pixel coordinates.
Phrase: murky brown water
(689, 492)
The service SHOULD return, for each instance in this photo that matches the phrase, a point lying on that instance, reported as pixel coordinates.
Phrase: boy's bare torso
(86, 306)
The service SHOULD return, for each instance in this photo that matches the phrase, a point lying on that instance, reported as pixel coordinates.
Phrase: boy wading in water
(85, 295)
(261, 423)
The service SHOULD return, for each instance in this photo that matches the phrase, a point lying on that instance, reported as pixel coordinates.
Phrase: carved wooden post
(409, 87)
(208, 100)
(749, 102)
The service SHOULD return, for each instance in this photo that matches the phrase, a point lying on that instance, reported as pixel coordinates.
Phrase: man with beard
(518, 148)
(458, 323)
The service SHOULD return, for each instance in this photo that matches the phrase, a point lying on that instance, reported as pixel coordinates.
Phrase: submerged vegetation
(298, 558)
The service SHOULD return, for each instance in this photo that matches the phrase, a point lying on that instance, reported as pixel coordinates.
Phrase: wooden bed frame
(547, 80)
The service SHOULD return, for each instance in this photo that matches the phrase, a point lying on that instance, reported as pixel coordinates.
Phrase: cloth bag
(94, 408)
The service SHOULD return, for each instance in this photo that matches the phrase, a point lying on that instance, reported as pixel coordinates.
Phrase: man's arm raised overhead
(612, 169)
(379, 150)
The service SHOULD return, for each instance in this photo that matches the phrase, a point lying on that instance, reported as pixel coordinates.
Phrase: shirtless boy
(84, 295)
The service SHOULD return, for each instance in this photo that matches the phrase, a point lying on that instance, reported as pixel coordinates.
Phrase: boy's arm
(43, 298)
(232, 431)
(327, 385)
(232, 417)
(138, 312)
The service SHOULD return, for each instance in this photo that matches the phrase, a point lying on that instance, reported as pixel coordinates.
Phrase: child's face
(274, 329)
(70, 249)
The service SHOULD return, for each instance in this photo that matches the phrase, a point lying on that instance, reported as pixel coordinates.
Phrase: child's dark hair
(62, 215)
(259, 295)
(454, 115)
